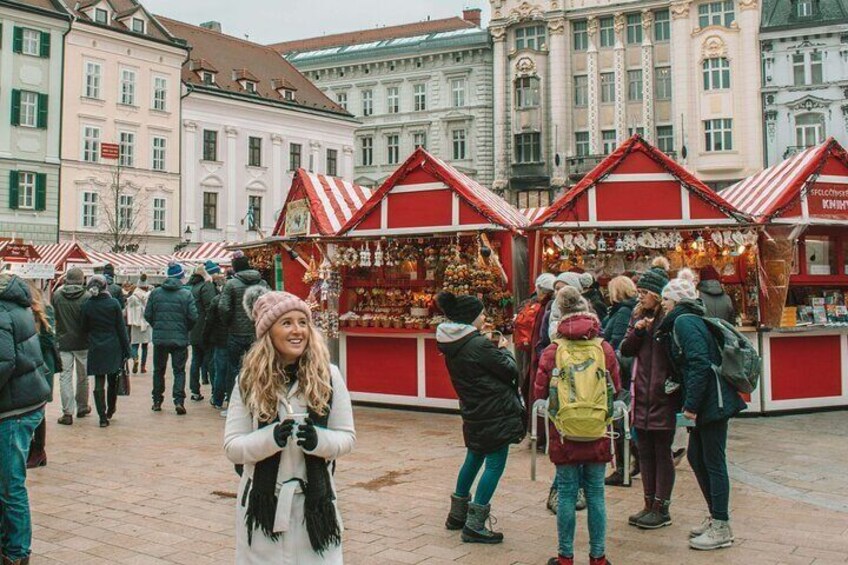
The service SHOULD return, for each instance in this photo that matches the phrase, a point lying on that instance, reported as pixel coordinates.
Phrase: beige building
(122, 86)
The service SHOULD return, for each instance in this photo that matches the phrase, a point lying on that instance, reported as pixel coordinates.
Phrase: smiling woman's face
(290, 336)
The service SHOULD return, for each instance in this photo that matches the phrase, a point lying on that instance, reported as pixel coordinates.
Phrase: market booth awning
(216, 251)
(63, 256)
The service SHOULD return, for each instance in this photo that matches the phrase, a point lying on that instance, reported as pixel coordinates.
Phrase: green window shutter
(41, 191)
(18, 40)
(16, 107)
(13, 190)
(45, 45)
(42, 111)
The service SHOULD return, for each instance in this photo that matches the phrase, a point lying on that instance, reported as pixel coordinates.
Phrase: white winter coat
(140, 331)
(245, 444)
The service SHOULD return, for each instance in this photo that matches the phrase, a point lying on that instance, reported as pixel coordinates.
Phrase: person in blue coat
(709, 402)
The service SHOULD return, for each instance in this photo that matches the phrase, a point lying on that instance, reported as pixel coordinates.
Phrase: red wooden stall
(802, 203)
(434, 227)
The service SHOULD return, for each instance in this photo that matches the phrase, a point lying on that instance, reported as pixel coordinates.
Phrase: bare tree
(122, 214)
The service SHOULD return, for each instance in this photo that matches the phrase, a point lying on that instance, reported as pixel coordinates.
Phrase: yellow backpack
(581, 393)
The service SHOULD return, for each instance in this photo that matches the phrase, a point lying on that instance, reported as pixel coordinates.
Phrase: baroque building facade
(804, 45)
(422, 84)
(31, 53)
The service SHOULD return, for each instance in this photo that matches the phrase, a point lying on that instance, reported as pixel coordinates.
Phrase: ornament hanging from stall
(378, 255)
(602, 244)
(591, 243)
(619, 245)
(365, 255)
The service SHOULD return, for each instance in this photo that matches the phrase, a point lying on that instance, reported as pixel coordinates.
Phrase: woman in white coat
(289, 419)
(140, 331)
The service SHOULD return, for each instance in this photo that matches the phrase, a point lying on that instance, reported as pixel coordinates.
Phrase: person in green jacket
(45, 325)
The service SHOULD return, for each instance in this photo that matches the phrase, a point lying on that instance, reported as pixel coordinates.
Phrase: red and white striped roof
(532, 214)
(57, 254)
(768, 192)
(14, 250)
(208, 251)
(134, 261)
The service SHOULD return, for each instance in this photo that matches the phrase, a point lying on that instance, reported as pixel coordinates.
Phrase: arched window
(716, 73)
(809, 129)
(526, 92)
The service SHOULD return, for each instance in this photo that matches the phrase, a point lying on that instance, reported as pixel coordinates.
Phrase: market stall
(64, 256)
(803, 205)
(23, 260)
(216, 251)
(429, 227)
(639, 203)
(129, 266)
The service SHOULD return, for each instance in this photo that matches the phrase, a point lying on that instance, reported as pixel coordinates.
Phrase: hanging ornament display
(378, 255)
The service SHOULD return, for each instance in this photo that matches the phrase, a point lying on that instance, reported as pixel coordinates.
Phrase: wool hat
(570, 279)
(587, 280)
(97, 284)
(265, 307)
(240, 262)
(687, 274)
(653, 280)
(545, 281)
(570, 301)
(709, 273)
(212, 267)
(109, 270)
(175, 270)
(462, 309)
(680, 289)
(74, 276)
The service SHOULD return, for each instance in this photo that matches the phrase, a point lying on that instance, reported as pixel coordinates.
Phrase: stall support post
(278, 272)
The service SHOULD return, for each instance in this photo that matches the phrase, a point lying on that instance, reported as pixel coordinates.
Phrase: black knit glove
(283, 431)
(307, 435)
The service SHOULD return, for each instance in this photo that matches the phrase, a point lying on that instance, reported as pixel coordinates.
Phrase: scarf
(322, 523)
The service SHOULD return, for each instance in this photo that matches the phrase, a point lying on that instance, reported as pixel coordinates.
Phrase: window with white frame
(716, 14)
(459, 148)
(29, 109)
(419, 139)
(662, 26)
(665, 138)
(159, 151)
(128, 87)
(718, 135)
(662, 83)
(159, 210)
(208, 78)
(341, 99)
(530, 37)
(716, 73)
(581, 143)
(581, 90)
(631, 131)
(126, 156)
(803, 8)
(366, 145)
(138, 25)
(367, 102)
(809, 130)
(393, 100)
(608, 140)
(210, 210)
(526, 92)
(807, 68)
(634, 29)
(160, 93)
(392, 149)
(93, 78)
(91, 144)
(607, 88)
(31, 42)
(816, 68)
(634, 85)
(101, 16)
(26, 190)
(458, 92)
(332, 167)
(528, 148)
(89, 209)
(607, 32)
(419, 97)
(125, 212)
(580, 32)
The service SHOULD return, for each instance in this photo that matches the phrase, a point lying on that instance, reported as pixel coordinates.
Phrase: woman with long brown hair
(45, 326)
(289, 419)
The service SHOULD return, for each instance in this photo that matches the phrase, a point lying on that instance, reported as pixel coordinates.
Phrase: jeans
(179, 356)
(73, 402)
(143, 347)
(656, 463)
(200, 362)
(237, 346)
(221, 361)
(495, 465)
(708, 458)
(568, 481)
(15, 523)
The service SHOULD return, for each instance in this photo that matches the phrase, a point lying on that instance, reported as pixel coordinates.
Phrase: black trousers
(707, 455)
(179, 356)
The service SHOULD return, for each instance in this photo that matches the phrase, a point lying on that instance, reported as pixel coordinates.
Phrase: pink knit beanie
(266, 307)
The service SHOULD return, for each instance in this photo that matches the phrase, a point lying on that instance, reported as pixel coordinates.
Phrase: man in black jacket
(114, 289)
(24, 391)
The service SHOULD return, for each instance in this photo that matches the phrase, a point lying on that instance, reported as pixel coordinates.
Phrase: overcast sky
(271, 21)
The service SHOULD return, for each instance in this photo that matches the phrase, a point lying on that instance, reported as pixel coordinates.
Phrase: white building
(424, 84)
(249, 120)
(805, 74)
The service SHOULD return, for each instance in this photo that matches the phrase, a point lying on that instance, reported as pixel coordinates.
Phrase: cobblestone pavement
(156, 489)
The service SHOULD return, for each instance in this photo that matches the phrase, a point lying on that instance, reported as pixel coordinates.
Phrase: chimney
(212, 26)
(472, 15)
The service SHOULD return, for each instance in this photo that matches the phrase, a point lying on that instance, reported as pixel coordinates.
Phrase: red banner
(109, 150)
(828, 200)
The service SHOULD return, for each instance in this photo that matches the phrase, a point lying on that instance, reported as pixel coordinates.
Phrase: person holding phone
(290, 417)
(485, 378)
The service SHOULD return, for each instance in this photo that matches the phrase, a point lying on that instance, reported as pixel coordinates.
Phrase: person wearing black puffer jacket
(203, 291)
(485, 377)
(23, 393)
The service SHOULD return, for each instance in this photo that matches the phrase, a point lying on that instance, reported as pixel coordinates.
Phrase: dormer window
(804, 9)
(138, 25)
(101, 16)
(284, 88)
(250, 86)
(288, 95)
(208, 78)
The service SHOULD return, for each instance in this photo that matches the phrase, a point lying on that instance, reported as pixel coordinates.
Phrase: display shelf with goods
(802, 206)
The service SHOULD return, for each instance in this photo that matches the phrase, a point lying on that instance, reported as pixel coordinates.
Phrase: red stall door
(806, 367)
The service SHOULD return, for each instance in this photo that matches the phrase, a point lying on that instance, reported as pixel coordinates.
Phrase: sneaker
(66, 420)
(180, 409)
(699, 530)
(224, 413)
(553, 500)
(135, 366)
(197, 397)
(560, 560)
(581, 500)
(717, 536)
(84, 412)
(616, 479)
(216, 406)
(104, 423)
(157, 406)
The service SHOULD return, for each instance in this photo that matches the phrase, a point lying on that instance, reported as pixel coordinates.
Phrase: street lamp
(186, 240)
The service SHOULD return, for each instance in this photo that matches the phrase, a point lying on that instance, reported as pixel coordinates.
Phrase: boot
(699, 530)
(37, 458)
(657, 518)
(581, 500)
(602, 560)
(717, 536)
(135, 366)
(649, 502)
(112, 402)
(144, 368)
(560, 560)
(22, 561)
(553, 500)
(475, 530)
(616, 479)
(100, 405)
(458, 512)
